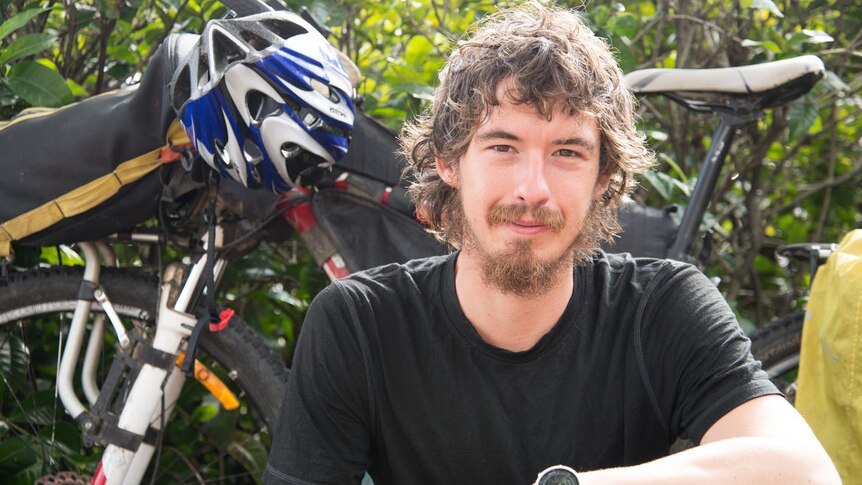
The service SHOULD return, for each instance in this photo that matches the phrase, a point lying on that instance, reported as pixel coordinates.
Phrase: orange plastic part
(212, 384)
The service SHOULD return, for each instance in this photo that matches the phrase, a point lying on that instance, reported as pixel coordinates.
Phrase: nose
(532, 185)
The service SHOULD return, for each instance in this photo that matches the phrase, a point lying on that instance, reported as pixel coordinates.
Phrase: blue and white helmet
(264, 98)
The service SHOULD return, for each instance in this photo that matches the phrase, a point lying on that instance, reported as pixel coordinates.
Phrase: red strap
(225, 317)
(173, 154)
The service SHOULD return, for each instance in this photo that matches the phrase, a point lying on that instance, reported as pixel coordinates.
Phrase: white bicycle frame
(142, 408)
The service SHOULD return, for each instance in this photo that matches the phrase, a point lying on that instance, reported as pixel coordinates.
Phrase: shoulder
(627, 273)
(398, 281)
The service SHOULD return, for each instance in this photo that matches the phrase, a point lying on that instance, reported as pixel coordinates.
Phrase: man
(527, 348)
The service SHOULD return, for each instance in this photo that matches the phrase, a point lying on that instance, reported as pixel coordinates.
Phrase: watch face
(558, 476)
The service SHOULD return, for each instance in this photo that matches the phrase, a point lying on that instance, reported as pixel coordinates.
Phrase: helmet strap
(213, 317)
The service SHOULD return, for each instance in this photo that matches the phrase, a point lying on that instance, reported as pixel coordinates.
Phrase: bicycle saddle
(755, 79)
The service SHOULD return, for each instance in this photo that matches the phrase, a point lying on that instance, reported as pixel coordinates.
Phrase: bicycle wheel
(203, 441)
(777, 346)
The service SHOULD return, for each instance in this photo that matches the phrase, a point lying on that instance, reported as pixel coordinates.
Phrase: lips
(527, 229)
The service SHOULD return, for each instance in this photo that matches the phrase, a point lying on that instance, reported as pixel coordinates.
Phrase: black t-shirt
(389, 376)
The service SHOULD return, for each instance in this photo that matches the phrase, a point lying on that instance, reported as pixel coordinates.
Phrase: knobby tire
(777, 346)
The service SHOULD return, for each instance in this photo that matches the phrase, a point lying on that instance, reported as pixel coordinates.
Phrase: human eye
(501, 148)
(568, 153)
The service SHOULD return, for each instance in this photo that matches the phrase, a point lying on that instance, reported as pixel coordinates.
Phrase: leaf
(768, 5)
(802, 114)
(205, 412)
(836, 83)
(37, 409)
(817, 36)
(766, 44)
(38, 85)
(71, 257)
(625, 54)
(416, 53)
(84, 14)
(675, 168)
(808, 36)
(63, 437)
(419, 91)
(77, 90)
(15, 455)
(19, 21)
(108, 9)
(659, 183)
(14, 359)
(248, 451)
(26, 45)
(27, 475)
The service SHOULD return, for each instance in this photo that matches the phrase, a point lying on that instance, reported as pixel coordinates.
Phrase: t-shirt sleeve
(695, 359)
(323, 435)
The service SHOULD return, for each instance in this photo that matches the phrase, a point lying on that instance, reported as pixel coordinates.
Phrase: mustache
(511, 213)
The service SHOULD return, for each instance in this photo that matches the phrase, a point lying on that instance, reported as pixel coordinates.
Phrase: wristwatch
(557, 475)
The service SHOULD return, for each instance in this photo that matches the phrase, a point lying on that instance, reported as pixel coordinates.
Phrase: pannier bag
(830, 367)
(88, 170)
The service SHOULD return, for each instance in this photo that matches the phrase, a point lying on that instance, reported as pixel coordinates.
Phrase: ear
(447, 172)
(601, 186)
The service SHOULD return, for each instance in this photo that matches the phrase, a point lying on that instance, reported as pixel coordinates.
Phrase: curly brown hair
(552, 60)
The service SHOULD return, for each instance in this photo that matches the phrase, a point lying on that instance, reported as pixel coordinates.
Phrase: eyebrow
(496, 135)
(505, 135)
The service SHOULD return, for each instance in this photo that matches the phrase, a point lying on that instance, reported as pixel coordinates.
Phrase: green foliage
(791, 177)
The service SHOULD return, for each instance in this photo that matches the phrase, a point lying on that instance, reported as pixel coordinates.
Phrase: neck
(505, 320)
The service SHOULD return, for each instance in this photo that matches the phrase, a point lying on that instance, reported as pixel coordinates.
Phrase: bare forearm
(736, 460)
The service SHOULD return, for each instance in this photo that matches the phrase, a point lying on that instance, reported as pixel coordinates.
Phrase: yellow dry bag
(830, 368)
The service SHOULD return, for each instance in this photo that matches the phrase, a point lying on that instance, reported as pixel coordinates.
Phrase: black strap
(188, 366)
(156, 358)
(87, 290)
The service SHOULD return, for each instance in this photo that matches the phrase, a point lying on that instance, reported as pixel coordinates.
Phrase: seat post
(703, 189)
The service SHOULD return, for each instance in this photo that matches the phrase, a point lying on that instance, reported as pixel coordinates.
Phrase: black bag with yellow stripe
(88, 170)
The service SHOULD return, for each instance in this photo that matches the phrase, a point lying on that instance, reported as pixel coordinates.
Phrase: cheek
(576, 204)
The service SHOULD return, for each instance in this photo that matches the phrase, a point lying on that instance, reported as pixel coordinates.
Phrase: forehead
(510, 97)
(526, 120)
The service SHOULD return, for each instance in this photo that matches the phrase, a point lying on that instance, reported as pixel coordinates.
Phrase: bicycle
(747, 92)
(325, 218)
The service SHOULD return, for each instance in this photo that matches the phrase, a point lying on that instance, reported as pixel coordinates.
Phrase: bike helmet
(264, 99)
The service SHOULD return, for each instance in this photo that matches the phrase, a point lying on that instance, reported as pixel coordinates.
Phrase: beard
(516, 269)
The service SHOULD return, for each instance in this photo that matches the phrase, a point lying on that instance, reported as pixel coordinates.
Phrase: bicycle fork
(129, 437)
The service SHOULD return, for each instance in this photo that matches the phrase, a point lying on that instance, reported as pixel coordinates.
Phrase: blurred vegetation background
(793, 176)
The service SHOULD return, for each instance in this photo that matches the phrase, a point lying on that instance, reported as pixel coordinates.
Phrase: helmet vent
(182, 89)
(283, 28)
(222, 154)
(225, 50)
(254, 40)
(203, 70)
(290, 150)
(261, 106)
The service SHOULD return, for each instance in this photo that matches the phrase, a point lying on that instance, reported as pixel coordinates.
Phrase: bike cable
(276, 212)
(212, 312)
(160, 436)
